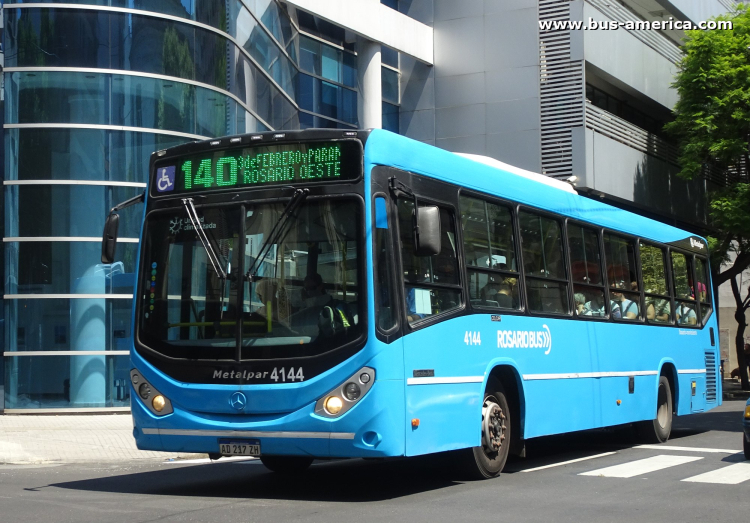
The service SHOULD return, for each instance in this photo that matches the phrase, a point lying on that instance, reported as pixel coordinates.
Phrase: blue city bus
(327, 294)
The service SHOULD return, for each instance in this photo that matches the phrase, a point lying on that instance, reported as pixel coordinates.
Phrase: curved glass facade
(40, 153)
(123, 100)
(92, 88)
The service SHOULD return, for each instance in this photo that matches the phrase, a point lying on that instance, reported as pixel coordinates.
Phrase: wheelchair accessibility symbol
(165, 179)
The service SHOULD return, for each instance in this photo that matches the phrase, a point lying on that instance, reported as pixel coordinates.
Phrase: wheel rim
(494, 428)
(662, 413)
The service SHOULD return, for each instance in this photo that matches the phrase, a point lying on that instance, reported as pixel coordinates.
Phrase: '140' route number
(472, 338)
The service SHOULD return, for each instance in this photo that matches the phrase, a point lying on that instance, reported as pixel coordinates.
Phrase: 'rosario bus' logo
(525, 339)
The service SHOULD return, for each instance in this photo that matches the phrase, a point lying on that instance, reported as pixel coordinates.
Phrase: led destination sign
(277, 164)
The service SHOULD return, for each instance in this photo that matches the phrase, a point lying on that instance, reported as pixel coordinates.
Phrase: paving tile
(73, 438)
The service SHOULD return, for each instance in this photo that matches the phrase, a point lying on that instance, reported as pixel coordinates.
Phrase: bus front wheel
(286, 464)
(488, 459)
(659, 429)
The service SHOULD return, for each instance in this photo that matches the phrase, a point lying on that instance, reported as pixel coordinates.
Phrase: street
(699, 474)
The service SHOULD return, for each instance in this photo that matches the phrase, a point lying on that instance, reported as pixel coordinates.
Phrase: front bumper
(374, 427)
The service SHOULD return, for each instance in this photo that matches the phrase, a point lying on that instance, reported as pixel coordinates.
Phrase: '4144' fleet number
(472, 338)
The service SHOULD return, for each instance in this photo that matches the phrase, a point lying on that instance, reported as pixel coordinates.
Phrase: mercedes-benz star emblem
(238, 401)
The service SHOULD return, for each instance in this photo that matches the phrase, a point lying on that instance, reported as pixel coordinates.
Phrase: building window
(390, 117)
(624, 110)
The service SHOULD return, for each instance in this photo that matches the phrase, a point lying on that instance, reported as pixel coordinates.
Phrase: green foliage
(730, 210)
(730, 215)
(652, 269)
(713, 113)
(712, 123)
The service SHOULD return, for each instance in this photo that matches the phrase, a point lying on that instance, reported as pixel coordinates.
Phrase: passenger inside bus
(628, 308)
(685, 313)
(580, 300)
(595, 306)
(657, 309)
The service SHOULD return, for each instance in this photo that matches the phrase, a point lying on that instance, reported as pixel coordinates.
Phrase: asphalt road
(597, 476)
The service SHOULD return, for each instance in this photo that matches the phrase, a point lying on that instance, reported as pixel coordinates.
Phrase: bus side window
(490, 254)
(386, 318)
(686, 311)
(586, 272)
(431, 283)
(542, 250)
(703, 287)
(622, 273)
(654, 271)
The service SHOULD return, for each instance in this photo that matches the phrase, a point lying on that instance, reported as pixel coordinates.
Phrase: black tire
(286, 464)
(488, 459)
(659, 429)
(746, 446)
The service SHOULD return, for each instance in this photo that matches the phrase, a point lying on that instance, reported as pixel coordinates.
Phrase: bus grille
(711, 377)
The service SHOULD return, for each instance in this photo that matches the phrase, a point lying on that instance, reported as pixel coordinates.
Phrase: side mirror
(427, 231)
(109, 237)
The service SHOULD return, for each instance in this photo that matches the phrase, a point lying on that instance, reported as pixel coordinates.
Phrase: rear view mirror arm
(127, 203)
(397, 188)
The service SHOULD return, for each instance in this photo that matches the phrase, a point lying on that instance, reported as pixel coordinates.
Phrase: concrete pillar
(370, 103)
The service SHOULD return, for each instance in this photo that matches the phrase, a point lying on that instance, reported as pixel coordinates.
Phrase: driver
(314, 291)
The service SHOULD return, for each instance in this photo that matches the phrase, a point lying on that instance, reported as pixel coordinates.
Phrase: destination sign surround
(261, 165)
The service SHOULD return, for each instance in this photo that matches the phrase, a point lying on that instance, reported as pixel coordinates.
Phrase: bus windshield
(303, 299)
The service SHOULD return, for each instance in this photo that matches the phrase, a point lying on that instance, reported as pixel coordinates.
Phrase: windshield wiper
(212, 256)
(298, 197)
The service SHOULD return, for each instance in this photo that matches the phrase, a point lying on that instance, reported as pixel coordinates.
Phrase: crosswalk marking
(560, 464)
(687, 449)
(731, 475)
(641, 466)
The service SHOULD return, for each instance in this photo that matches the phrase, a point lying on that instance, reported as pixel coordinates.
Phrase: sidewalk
(73, 439)
(733, 390)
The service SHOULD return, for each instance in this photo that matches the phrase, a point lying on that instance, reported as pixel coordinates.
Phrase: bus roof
(496, 178)
(512, 169)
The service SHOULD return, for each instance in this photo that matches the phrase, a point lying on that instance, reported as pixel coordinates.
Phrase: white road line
(688, 449)
(208, 460)
(641, 466)
(731, 475)
(568, 462)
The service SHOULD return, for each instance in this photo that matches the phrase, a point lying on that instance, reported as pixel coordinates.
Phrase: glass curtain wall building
(91, 89)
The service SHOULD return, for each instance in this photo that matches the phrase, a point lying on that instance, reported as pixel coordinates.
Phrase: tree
(712, 124)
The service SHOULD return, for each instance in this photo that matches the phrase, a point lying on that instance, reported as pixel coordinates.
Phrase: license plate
(239, 448)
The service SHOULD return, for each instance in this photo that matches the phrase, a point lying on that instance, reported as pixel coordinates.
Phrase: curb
(744, 395)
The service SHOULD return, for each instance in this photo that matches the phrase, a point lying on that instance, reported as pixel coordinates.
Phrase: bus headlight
(346, 395)
(159, 402)
(151, 398)
(333, 404)
(747, 412)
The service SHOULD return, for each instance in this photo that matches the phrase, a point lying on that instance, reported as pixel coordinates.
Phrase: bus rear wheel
(659, 429)
(488, 459)
(286, 464)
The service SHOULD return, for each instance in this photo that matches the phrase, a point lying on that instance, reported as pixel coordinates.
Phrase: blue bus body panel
(570, 384)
